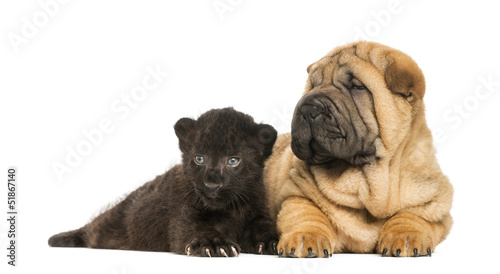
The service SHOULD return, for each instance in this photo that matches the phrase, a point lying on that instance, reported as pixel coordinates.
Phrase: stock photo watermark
(454, 117)
(281, 119)
(122, 106)
(222, 7)
(121, 270)
(305, 266)
(380, 19)
(12, 218)
(32, 25)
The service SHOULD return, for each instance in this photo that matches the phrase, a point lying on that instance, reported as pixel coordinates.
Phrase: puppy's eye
(356, 84)
(233, 161)
(199, 160)
(360, 87)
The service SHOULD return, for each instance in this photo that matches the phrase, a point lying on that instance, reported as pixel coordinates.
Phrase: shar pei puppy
(358, 172)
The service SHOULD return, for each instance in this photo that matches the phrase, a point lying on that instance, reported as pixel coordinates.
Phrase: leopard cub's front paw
(261, 237)
(269, 247)
(216, 247)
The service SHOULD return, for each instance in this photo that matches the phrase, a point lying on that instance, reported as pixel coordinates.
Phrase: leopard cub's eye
(233, 161)
(199, 160)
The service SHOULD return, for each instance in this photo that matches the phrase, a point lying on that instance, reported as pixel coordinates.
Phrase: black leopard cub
(213, 204)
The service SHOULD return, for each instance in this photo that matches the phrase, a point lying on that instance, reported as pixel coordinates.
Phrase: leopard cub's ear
(266, 135)
(183, 129)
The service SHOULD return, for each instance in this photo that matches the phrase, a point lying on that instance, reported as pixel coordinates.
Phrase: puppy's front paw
(305, 245)
(405, 235)
(212, 248)
(405, 244)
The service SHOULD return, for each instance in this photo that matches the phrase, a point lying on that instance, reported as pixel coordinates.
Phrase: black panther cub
(213, 204)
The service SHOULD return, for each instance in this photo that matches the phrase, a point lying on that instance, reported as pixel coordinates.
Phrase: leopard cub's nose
(212, 186)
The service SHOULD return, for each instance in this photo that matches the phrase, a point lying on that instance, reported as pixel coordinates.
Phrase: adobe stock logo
(32, 26)
(281, 119)
(122, 107)
(454, 116)
(223, 6)
(381, 19)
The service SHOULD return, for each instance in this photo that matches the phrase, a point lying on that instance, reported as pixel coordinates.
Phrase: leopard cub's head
(223, 154)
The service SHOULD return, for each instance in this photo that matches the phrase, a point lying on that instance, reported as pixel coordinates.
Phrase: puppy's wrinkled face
(335, 120)
(359, 98)
(223, 155)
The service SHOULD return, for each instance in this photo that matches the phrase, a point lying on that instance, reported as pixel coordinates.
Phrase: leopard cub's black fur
(213, 204)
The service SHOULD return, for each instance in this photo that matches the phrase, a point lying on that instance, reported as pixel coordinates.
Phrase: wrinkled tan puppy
(358, 172)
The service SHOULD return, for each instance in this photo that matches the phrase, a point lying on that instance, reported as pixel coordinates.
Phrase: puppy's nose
(212, 185)
(312, 110)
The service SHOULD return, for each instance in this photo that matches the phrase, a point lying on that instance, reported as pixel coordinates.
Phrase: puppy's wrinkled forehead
(378, 67)
(331, 69)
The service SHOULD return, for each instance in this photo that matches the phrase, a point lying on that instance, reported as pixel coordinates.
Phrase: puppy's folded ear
(404, 77)
(266, 135)
(183, 128)
(309, 67)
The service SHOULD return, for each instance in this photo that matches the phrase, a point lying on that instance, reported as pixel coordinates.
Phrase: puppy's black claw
(384, 252)
(398, 252)
(281, 252)
(326, 253)
(310, 254)
(415, 252)
(292, 253)
(275, 248)
(429, 253)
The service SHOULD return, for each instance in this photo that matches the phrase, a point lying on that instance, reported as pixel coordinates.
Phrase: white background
(63, 77)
